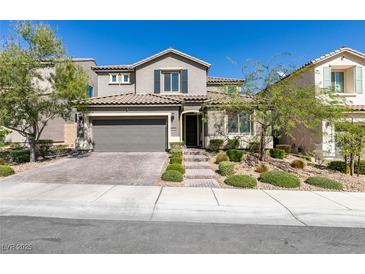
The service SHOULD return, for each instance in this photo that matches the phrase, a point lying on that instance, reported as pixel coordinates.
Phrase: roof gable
(174, 51)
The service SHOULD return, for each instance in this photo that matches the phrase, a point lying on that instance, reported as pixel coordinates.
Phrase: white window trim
(178, 85)
(238, 127)
(111, 77)
(122, 78)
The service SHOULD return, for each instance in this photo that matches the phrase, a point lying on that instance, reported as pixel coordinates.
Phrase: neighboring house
(59, 130)
(161, 99)
(343, 70)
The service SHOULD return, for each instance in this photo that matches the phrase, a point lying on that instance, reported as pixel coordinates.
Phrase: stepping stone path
(198, 170)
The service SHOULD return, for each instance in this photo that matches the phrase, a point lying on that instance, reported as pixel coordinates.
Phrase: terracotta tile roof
(112, 67)
(187, 98)
(223, 80)
(133, 99)
(358, 107)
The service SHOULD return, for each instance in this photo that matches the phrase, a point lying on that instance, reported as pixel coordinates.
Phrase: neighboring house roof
(358, 107)
(223, 80)
(143, 61)
(327, 56)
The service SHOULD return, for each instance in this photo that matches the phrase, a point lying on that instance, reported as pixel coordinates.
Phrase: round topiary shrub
(297, 164)
(176, 152)
(235, 155)
(277, 153)
(215, 144)
(177, 167)
(226, 168)
(280, 178)
(6, 171)
(221, 157)
(324, 183)
(172, 176)
(233, 144)
(244, 181)
(261, 168)
(176, 160)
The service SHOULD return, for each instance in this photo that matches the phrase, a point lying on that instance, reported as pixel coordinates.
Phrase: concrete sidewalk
(208, 205)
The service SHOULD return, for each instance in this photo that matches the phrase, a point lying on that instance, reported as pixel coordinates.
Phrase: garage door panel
(130, 135)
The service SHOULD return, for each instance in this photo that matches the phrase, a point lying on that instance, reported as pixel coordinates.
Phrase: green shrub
(20, 156)
(280, 178)
(59, 149)
(176, 160)
(2, 162)
(286, 148)
(277, 153)
(261, 168)
(233, 144)
(297, 164)
(235, 155)
(6, 171)
(221, 157)
(226, 168)
(176, 152)
(337, 165)
(43, 147)
(177, 145)
(244, 181)
(172, 176)
(324, 183)
(15, 146)
(254, 147)
(215, 144)
(178, 167)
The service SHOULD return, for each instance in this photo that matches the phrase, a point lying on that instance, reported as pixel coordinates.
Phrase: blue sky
(217, 42)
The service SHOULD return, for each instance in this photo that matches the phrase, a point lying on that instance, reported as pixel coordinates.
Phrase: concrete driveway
(117, 168)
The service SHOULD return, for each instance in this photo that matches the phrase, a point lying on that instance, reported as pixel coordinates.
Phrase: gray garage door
(129, 135)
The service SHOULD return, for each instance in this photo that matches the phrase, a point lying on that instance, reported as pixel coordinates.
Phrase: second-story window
(90, 91)
(337, 80)
(126, 78)
(171, 81)
(113, 78)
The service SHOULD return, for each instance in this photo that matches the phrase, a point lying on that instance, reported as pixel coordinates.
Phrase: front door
(191, 130)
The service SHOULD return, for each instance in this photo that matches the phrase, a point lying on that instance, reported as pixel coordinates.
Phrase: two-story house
(146, 105)
(343, 70)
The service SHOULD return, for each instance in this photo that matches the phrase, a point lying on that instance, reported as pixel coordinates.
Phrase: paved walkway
(207, 205)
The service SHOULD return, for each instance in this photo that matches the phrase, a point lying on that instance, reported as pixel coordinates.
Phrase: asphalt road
(54, 235)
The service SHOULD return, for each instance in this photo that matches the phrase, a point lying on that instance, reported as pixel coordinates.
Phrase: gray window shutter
(167, 81)
(157, 84)
(184, 81)
(326, 77)
(358, 80)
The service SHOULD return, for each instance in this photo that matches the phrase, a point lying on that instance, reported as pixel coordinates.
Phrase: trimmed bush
(233, 144)
(226, 168)
(244, 181)
(177, 167)
(261, 168)
(176, 145)
(6, 171)
(176, 152)
(2, 162)
(235, 155)
(297, 164)
(215, 145)
(172, 176)
(305, 157)
(324, 183)
(20, 156)
(277, 153)
(337, 165)
(286, 148)
(176, 160)
(221, 157)
(280, 178)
